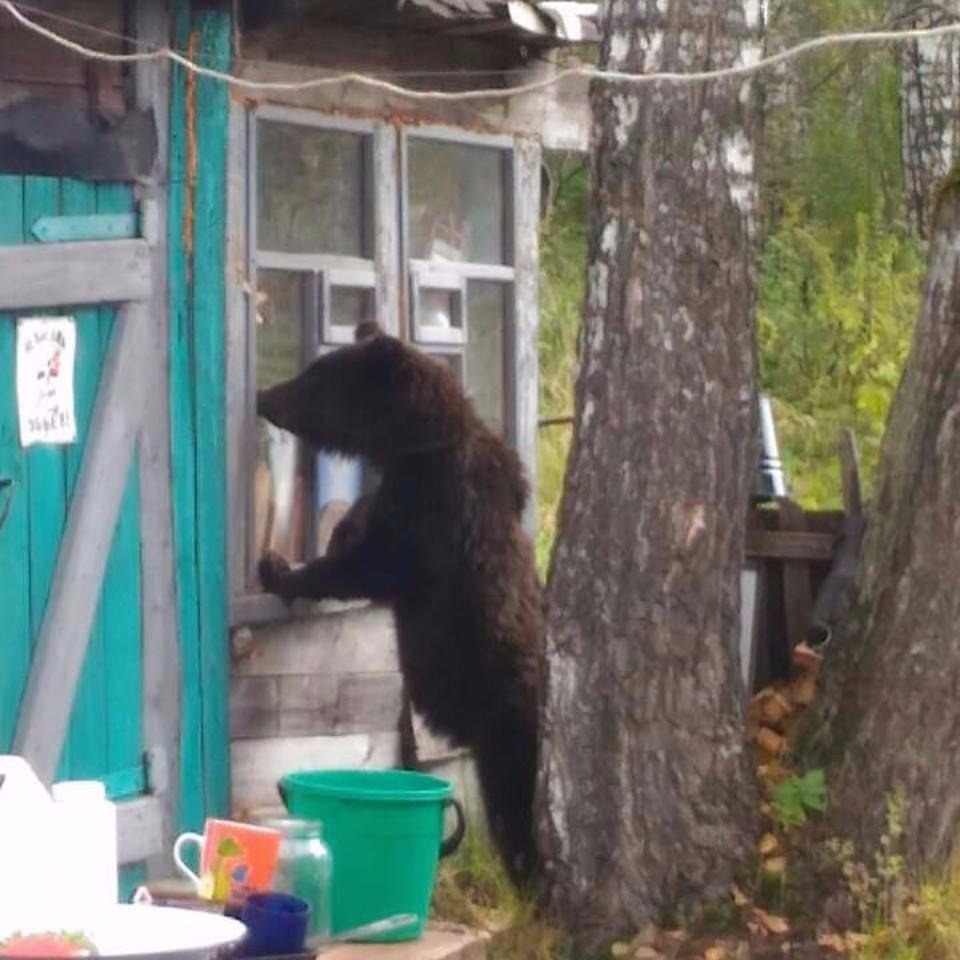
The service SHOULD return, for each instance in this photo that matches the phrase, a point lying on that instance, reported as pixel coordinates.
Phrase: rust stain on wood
(191, 165)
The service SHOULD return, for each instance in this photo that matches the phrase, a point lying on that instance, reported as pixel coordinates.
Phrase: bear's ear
(367, 330)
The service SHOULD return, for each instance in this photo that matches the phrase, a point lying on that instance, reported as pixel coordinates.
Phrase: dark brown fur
(441, 541)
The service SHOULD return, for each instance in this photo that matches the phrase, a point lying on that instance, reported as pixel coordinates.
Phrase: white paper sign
(46, 349)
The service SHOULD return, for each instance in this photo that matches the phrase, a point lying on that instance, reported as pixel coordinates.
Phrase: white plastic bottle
(26, 837)
(87, 833)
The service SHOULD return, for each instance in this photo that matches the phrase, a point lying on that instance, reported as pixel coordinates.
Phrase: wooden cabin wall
(320, 687)
(558, 117)
(33, 66)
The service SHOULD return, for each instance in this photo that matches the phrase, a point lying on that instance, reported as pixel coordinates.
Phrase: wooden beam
(162, 665)
(95, 271)
(240, 393)
(140, 833)
(797, 586)
(837, 589)
(386, 240)
(61, 646)
(790, 545)
(850, 474)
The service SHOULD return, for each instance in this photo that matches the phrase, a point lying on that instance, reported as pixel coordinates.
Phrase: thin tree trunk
(645, 791)
(890, 713)
(929, 91)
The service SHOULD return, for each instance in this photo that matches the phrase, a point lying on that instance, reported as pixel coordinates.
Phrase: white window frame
(456, 275)
(395, 280)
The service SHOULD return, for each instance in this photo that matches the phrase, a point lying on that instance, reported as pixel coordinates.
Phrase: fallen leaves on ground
(842, 942)
(768, 843)
(763, 922)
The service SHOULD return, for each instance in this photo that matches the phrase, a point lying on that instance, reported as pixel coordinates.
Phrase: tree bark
(646, 794)
(929, 91)
(889, 716)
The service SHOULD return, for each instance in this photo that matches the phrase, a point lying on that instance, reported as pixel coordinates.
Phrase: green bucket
(384, 829)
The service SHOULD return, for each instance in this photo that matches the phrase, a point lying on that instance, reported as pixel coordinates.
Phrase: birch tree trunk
(645, 793)
(929, 104)
(890, 712)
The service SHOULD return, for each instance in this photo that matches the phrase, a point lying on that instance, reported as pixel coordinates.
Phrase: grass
(473, 889)
(563, 271)
(929, 928)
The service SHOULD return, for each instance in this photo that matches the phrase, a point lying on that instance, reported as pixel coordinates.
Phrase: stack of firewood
(774, 711)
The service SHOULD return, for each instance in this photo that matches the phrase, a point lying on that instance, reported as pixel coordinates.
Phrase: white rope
(619, 76)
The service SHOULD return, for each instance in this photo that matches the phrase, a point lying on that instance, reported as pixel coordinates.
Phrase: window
(458, 233)
(313, 273)
(346, 222)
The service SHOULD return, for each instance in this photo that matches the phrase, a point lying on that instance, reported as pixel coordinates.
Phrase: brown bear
(441, 541)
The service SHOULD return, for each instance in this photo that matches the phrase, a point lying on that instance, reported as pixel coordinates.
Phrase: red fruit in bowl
(47, 945)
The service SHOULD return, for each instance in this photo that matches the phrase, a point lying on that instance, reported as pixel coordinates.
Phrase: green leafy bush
(795, 797)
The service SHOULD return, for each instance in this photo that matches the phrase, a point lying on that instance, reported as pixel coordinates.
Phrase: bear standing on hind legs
(441, 541)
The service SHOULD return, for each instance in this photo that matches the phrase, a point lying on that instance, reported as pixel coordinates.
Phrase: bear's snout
(270, 406)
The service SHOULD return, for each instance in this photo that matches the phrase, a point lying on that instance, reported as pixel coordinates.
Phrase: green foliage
(563, 248)
(840, 274)
(834, 328)
(876, 891)
(797, 796)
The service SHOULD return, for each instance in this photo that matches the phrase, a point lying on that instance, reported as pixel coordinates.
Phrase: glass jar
(304, 868)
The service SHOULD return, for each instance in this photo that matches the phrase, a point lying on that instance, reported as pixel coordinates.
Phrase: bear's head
(377, 398)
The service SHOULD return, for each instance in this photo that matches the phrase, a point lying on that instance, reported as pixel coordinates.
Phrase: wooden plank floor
(440, 941)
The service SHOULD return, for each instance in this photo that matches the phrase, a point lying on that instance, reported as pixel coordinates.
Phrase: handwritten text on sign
(46, 348)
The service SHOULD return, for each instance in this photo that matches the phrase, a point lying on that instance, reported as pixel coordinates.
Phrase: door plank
(15, 532)
(81, 564)
(161, 649)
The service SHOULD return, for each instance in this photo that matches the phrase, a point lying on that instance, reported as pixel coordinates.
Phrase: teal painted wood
(123, 784)
(85, 753)
(106, 721)
(46, 466)
(182, 453)
(105, 729)
(130, 878)
(209, 303)
(92, 226)
(120, 607)
(15, 532)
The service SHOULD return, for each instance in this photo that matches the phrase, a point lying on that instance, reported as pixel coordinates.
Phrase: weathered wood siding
(320, 686)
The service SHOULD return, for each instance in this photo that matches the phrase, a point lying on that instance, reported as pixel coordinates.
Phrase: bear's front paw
(273, 570)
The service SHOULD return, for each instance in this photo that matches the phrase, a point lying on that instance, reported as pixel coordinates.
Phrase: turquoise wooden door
(105, 735)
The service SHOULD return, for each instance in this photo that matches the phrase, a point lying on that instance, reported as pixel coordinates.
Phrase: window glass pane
(281, 480)
(350, 306)
(438, 310)
(279, 324)
(456, 199)
(340, 481)
(486, 342)
(311, 190)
